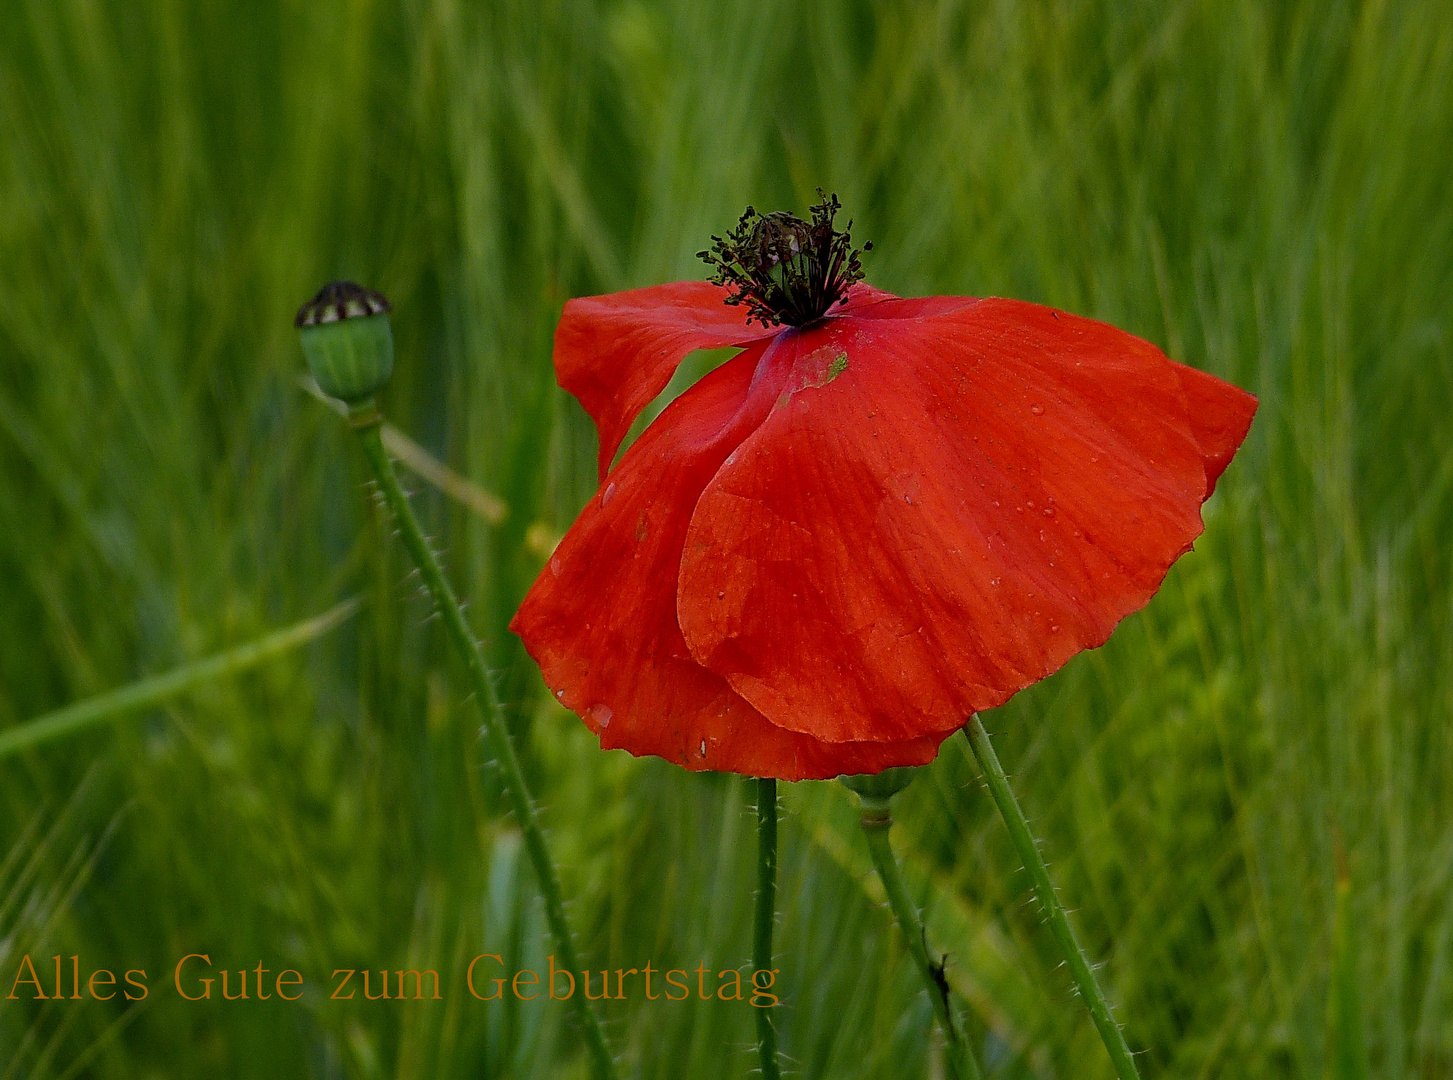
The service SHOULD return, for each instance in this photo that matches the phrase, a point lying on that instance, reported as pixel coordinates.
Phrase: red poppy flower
(876, 519)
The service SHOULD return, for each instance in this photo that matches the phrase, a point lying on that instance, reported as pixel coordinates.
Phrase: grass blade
(148, 693)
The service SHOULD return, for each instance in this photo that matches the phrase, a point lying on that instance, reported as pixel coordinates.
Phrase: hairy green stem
(876, 823)
(1059, 923)
(766, 915)
(366, 421)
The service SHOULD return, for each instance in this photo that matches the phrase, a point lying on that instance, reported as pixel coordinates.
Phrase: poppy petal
(615, 353)
(887, 306)
(1220, 416)
(940, 511)
(601, 619)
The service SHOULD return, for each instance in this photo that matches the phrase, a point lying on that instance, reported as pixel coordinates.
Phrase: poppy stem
(876, 822)
(366, 421)
(1059, 923)
(766, 916)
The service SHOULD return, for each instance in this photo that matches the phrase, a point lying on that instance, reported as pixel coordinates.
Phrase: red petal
(975, 497)
(1220, 416)
(887, 306)
(601, 619)
(617, 352)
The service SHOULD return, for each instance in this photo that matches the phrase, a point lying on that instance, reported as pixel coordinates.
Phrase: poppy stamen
(784, 269)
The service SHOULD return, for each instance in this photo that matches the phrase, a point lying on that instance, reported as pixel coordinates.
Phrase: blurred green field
(1247, 794)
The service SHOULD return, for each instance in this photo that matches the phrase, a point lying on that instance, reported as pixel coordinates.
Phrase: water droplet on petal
(601, 714)
(703, 748)
(607, 494)
(559, 693)
(995, 581)
(1037, 409)
(1049, 511)
(555, 565)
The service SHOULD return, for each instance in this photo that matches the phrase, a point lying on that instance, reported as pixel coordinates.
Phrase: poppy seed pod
(347, 339)
(879, 787)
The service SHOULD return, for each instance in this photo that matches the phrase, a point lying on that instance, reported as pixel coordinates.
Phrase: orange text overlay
(195, 978)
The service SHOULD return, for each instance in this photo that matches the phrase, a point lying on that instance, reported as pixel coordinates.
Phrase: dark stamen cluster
(784, 269)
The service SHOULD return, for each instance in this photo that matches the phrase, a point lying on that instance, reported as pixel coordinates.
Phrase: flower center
(784, 269)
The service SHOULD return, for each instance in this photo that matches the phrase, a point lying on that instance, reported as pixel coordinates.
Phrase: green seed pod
(348, 340)
(880, 787)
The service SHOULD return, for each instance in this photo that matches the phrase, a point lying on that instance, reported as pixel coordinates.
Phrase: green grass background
(1247, 794)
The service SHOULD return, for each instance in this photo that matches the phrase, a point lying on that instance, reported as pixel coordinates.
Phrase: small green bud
(880, 787)
(348, 340)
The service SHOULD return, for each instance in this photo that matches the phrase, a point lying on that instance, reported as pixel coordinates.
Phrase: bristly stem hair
(784, 269)
(1059, 923)
(366, 421)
